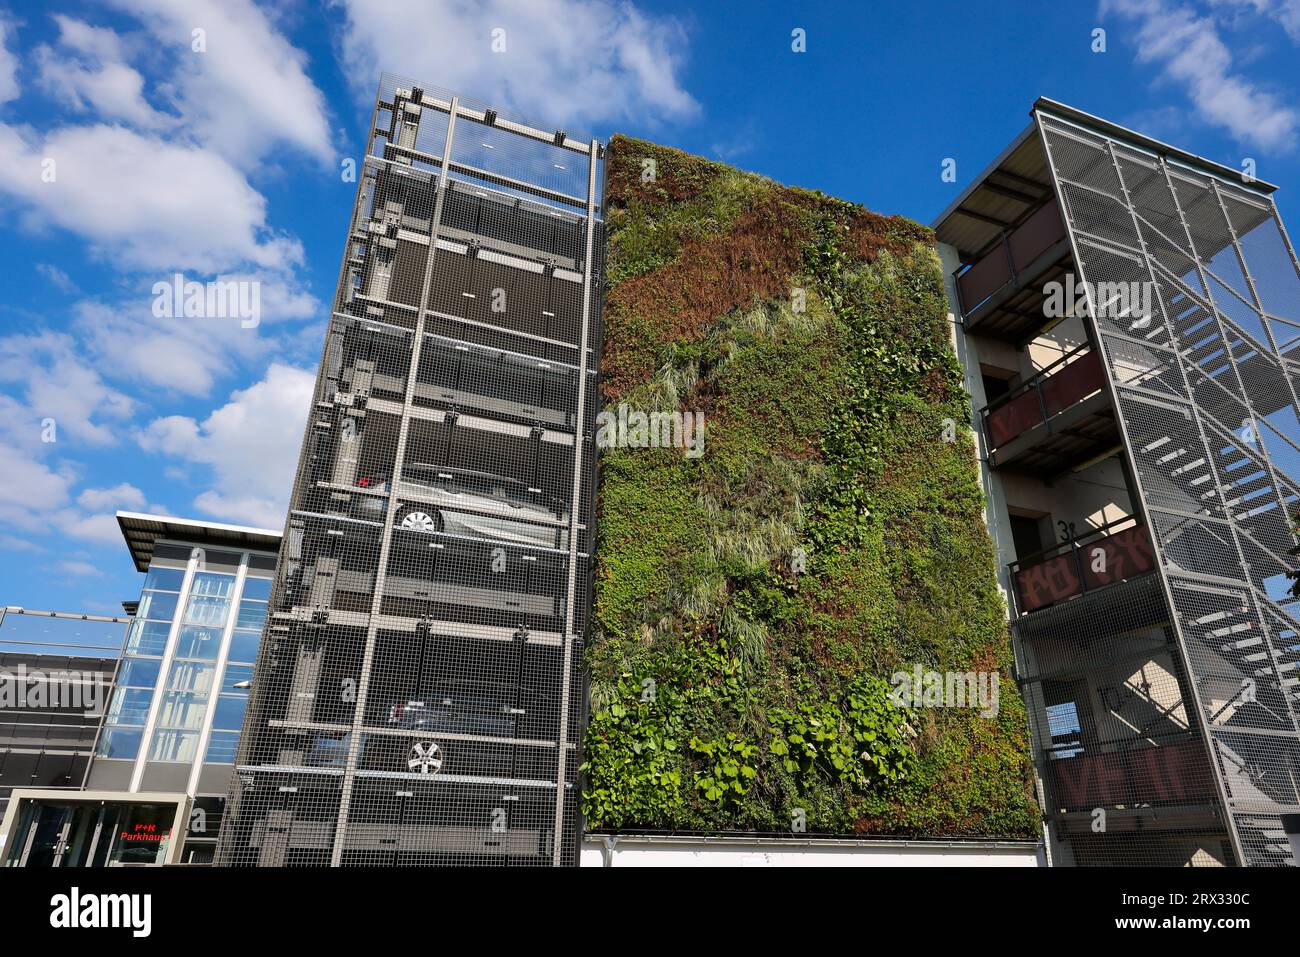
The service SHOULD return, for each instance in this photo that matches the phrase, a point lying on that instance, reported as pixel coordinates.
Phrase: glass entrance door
(43, 842)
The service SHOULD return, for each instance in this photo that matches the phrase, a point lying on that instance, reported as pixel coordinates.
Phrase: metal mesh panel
(1206, 399)
(418, 697)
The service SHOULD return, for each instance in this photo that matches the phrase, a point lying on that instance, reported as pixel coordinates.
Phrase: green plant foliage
(751, 604)
(726, 772)
(860, 741)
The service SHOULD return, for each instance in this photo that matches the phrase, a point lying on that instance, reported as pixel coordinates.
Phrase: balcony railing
(1015, 254)
(1066, 382)
(1104, 556)
(1170, 770)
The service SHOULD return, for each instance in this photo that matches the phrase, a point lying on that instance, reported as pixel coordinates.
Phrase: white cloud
(95, 519)
(82, 569)
(121, 496)
(565, 61)
(249, 91)
(1192, 54)
(250, 444)
(89, 71)
(1285, 12)
(14, 544)
(186, 354)
(142, 201)
(56, 383)
(57, 277)
(8, 63)
(102, 527)
(29, 489)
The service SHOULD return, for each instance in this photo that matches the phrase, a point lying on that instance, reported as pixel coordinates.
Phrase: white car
(434, 498)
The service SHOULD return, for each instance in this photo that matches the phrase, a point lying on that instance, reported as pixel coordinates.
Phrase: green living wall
(752, 602)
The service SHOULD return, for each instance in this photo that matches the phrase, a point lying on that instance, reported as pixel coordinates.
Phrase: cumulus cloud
(250, 446)
(142, 201)
(248, 90)
(101, 528)
(184, 354)
(89, 71)
(565, 61)
(8, 63)
(121, 496)
(1190, 51)
(29, 488)
(55, 383)
(81, 569)
(1286, 13)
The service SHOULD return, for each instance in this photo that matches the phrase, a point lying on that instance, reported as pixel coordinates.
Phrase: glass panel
(234, 675)
(164, 579)
(207, 610)
(243, 645)
(222, 746)
(198, 641)
(41, 634)
(259, 588)
(213, 585)
(148, 638)
(190, 676)
(140, 833)
(178, 747)
(119, 743)
(130, 706)
(139, 673)
(252, 614)
(158, 605)
(182, 710)
(230, 712)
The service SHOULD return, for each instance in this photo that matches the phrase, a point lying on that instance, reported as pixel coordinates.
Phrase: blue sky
(226, 162)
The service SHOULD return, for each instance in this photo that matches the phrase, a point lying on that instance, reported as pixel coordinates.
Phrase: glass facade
(201, 628)
(137, 677)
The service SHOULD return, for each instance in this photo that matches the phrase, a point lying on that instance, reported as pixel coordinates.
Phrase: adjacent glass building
(418, 697)
(147, 782)
(1129, 322)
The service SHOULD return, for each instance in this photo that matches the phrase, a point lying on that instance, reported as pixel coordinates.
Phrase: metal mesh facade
(1205, 392)
(418, 697)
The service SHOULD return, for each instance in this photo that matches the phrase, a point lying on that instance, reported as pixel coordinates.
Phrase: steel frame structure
(419, 695)
(1205, 395)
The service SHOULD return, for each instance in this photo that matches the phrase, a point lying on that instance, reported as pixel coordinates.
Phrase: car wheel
(425, 757)
(418, 519)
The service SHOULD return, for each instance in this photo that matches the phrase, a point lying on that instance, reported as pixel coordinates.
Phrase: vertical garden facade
(758, 593)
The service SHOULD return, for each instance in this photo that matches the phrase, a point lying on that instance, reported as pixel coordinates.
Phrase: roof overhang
(142, 532)
(1006, 193)
(1152, 145)
(1018, 181)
